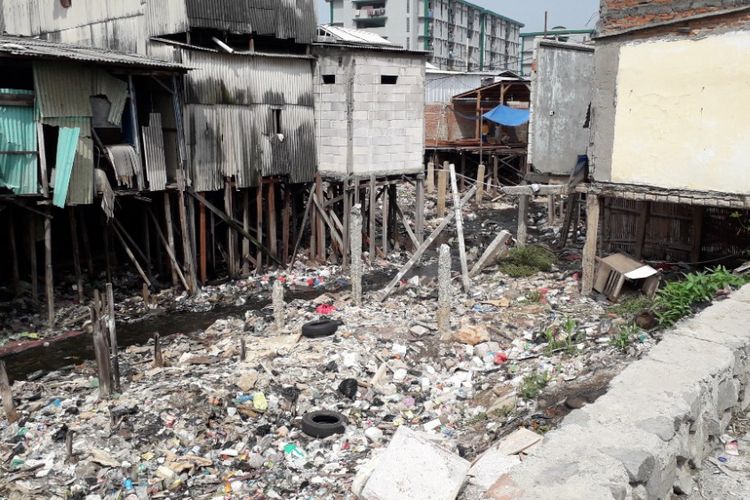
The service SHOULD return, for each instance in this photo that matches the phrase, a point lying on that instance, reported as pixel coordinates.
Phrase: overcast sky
(573, 14)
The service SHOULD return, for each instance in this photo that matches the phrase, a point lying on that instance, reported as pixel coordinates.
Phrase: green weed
(631, 306)
(534, 296)
(523, 262)
(625, 336)
(533, 384)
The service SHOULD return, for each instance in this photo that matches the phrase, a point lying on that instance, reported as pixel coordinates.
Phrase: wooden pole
(305, 216)
(14, 254)
(589, 249)
(392, 223)
(442, 185)
(259, 225)
(42, 159)
(285, 225)
(697, 234)
(460, 228)
(7, 395)
(523, 213)
(386, 219)
(231, 236)
(76, 252)
(102, 357)
(419, 209)
(170, 233)
(371, 221)
(158, 358)
(321, 250)
(480, 184)
(130, 255)
(430, 177)
(33, 259)
(346, 232)
(462, 186)
(273, 243)
(644, 207)
(48, 275)
(112, 329)
(496, 172)
(421, 250)
(246, 226)
(87, 251)
(203, 245)
(172, 258)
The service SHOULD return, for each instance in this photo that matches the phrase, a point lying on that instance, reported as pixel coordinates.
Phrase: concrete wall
(363, 126)
(669, 107)
(562, 87)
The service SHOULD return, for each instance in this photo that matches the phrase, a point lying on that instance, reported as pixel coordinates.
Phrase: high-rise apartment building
(460, 35)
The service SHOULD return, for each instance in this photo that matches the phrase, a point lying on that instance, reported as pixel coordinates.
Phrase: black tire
(320, 328)
(321, 424)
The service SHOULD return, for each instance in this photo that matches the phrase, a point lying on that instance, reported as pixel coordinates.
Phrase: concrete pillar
(444, 293)
(355, 235)
(278, 305)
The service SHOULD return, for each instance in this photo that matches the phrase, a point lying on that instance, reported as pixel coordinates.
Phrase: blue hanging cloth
(510, 117)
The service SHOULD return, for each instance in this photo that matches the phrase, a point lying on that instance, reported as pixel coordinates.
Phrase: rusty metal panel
(286, 19)
(126, 35)
(153, 149)
(244, 79)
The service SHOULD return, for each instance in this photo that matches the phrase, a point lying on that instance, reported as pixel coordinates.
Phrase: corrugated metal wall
(18, 172)
(441, 87)
(284, 19)
(229, 118)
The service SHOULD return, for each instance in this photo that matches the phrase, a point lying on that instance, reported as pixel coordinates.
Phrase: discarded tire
(321, 424)
(320, 328)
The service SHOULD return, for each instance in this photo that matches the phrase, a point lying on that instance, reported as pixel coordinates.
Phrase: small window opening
(388, 79)
(277, 121)
(329, 79)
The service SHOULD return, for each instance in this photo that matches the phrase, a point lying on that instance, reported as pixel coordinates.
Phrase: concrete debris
(415, 467)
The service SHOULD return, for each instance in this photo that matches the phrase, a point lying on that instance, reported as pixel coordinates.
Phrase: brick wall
(619, 15)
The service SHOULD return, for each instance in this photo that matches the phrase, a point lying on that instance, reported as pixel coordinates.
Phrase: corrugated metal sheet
(116, 92)
(47, 50)
(126, 164)
(350, 35)
(127, 35)
(153, 148)
(18, 133)
(280, 18)
(440, 87)
(67, 141)
(243, 79)
(166, 17)
(62, 90)
(81, 188)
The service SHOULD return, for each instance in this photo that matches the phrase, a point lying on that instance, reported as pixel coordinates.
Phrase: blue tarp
(510, 117)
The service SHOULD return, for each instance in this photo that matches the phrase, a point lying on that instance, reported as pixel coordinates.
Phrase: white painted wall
(387, 130)
(682, 114)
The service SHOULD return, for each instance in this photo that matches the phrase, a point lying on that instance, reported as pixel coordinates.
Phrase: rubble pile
(209, 424)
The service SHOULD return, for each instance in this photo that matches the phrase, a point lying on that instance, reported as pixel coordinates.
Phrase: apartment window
(276, 120)
(388, 79)
(408, 24)
(408, 4)
(408, 43)
(329, 79)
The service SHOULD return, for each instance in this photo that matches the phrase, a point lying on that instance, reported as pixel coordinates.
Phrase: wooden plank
(33, 259)
(146, 242)
(491, 252)
(42, 159)
(272, 229)
(245, 255)
(496, 172)
(644, 208)
(320, 226)
(423, 247)
(523, 214)
(48, 275)
(15, 273)
(697, 234)
(386, 209)
(130, 255)
(258, 226)
(232, 259)
(187, 246)
(286, 218)
(462, 186)
(305, 216)
(76, 252)
(407, 225)
(324, 217)
(346, 250)
(480, 184)
(589, 249)
(18, 100)
(112, 330)
(419, 210)
(442, 186)
(371, 215)
(535, 190)
(170, 232)
(170, 252)
(460, 227)
(7, 395)
(430, 177)
(202, 237)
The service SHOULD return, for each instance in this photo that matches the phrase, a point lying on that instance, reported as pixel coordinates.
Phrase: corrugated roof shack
(670, 124)
(369, 123)
(80, 126)
(248, 104)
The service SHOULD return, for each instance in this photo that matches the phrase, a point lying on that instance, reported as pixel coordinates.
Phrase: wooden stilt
(130, 255)
(346, 250)
(7, 395)
(442, 185)
(231, 236)
(386, 220)
(644, 208)
(48, 278)
(187, 246)
(273, 244)
(147, 242)
(321, 250)
(202, 242)
(172, 258)
(16, 275)
(480, 184)
(371, 215)
(393, 205)
(112, 330)
(212, 226)
(407, 227)
(246, 226)
(462, 181)
(697, 234)
(430, 177)
(419, 209)
(460, 227)
(589, 249)
(102, 357)
(496, 172)
(33, 259)
(286, 217)
(259, 224)
(551, 209)
(523, 214)
(107, 248)
(170, 233)
(76, 252)
(301, 233)
(87, 250)
(158, 358)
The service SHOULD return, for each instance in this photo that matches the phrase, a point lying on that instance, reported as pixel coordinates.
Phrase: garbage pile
(236, 410)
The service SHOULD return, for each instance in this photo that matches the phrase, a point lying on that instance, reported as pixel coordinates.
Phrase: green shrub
(533, 384)
(523, 262)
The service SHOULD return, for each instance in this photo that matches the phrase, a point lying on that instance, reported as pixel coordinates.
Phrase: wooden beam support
(33, 259)
(202, 237)
(130, 255)
(76, 252)
(305, 216)
(697, 234)
(286, 217)
(258, 226)
(644, 208)
(320, 226)
(419, 209)
(523, 215)
(48, 274)
(272, 229)
(480, 183)
(232, 259)
(170, 232)
(170, 252)
(371, 214)
(460, 227)
(589, 250)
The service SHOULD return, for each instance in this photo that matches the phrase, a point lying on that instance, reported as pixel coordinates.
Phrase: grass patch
(679, 299)
(565, 340)
(523, 262)
(626, 335)
(533, 384)
(631, 306)
(534, 297)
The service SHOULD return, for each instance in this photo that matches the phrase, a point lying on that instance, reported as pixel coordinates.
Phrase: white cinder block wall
(365, 127)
